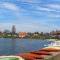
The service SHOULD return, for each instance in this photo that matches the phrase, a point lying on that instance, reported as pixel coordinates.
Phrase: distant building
(57, 32)
(6, 31)
(22, 34)
(13, 29)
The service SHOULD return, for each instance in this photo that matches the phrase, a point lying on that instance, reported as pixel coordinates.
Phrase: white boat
(11, 58)
(54, 44)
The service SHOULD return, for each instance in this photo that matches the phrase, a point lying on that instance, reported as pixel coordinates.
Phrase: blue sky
(30, 15)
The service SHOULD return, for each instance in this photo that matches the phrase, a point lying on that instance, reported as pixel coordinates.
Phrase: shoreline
(33, 39)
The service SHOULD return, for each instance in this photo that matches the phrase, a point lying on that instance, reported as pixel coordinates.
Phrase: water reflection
(13, 44)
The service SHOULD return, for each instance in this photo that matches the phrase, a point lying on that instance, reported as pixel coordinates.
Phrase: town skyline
(30, 15)
(14, 30)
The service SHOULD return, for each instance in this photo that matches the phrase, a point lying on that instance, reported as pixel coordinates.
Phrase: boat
(30, 55)
(53, 47)
(51, 50)
(41, 52)
(11, 58)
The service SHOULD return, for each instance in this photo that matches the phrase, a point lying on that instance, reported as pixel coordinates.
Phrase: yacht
(54, 44)
(52, 47)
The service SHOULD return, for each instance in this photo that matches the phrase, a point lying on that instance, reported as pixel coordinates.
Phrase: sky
(30, 15)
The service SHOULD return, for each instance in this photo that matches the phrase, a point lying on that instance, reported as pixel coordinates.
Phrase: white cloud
(44, 9)
(10, 6)
(28, 1)
(54, 16)
(54, 6)
(48, 7)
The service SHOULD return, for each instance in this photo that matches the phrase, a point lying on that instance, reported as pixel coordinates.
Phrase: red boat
(41, 52)
(30, 55)
(50, 49)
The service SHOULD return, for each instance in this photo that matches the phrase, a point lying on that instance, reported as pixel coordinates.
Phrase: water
(12, 46)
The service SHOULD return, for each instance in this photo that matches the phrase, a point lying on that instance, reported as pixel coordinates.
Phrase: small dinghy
(11, 58)
(50, 49)
(41, 52)
(30, 55)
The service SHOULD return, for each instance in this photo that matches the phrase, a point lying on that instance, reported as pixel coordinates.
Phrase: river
(12, 46)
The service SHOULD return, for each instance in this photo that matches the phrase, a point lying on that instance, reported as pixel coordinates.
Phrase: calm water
(13, 46)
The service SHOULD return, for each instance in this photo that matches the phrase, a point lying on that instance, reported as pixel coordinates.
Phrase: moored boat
(53, 47)
(30, 55)
(11, 58)
(51, 50)
(41, 52)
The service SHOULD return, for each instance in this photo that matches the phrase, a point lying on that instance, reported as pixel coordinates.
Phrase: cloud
(12, 7)
(54, 16)
(47, 7)
(25, 1)
(54, 6)
(28, 19)
(49, 10)
(9, 6)
(44, 9)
